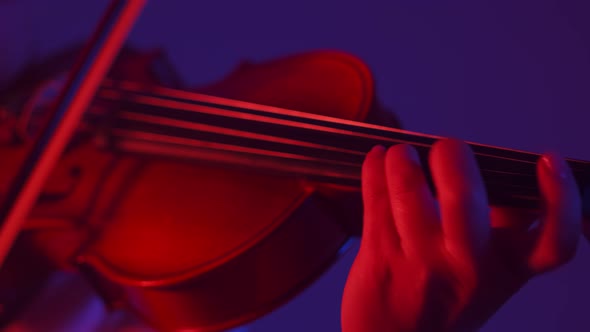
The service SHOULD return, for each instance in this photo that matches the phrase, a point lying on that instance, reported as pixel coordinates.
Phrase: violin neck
(170, 122)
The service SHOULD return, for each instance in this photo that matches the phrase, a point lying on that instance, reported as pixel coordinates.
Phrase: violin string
(174, 127)
(142, 142)
(164, 106)
(350, 170)
(302, 118)
(349, 178)
(224, 129)
(203, 127)
(359, 153)
(155, 133)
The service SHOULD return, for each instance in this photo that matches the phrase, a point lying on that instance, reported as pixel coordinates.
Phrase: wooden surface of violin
(207, 247)
(185, 243)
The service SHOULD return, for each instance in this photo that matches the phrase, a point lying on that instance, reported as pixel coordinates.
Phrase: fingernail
(556, 165)
(379, 148)
(412, 153)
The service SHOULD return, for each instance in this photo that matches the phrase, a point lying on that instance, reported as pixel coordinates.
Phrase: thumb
(562, 216)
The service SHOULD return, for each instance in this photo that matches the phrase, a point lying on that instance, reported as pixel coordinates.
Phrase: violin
(284, 225)
(203, 209)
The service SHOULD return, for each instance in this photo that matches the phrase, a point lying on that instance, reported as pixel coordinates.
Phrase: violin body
(61, 221)
(191, 245)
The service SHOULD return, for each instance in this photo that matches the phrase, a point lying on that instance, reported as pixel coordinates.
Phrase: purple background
(514, 73)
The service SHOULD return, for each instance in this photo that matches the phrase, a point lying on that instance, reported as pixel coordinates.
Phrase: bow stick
(78, 92)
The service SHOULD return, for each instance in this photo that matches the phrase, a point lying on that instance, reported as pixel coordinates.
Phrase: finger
(413, 207)
(513, 233)
(515, 227)
(462, 197)
(561, 223)
(516, 220)
(378, 221)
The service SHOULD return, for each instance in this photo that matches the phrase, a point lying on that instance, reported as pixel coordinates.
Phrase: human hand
(424, 269)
